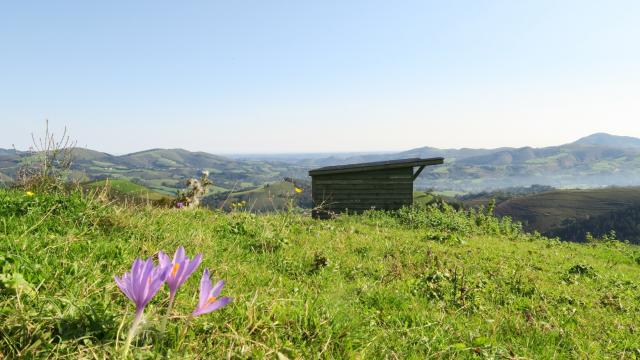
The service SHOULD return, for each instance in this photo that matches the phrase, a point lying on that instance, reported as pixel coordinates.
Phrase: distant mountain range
(162, 170)
(596, 160)
(604, 139)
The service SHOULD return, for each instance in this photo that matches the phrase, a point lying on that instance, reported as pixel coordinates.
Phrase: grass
(416, 283)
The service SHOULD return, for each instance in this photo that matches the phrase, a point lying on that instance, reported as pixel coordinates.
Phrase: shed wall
(358, 191)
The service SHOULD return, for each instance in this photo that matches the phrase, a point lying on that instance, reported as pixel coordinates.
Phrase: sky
(318, 76)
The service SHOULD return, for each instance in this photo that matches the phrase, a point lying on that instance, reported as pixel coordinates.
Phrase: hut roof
(377, 165)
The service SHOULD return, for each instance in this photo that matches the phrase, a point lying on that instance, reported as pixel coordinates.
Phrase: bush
(446, 218)
(48, 166)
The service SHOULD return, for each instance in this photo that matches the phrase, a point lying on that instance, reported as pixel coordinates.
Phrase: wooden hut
(384, 185)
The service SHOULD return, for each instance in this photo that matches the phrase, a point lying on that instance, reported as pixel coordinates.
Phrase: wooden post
(418, 172)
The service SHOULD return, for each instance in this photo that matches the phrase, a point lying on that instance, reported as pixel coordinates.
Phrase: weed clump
(48, 166)
(608, 238)
(319, 261)
(196, 189)
(450, 287)
(450, 220)
(445, 238)
(582, 270)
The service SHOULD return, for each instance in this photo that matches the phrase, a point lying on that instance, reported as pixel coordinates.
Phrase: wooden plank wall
(358, 191)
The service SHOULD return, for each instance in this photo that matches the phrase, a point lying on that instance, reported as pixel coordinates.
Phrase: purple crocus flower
(180, 205)
(142, 282)
(209, 300)
(181, 268)
(140, 285)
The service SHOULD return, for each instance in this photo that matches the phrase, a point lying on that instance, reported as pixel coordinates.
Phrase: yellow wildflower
(29, 193)
(297, 189)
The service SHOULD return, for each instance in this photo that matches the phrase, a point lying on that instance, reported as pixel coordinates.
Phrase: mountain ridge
(595, 139)
(596, 160)
(604, 139)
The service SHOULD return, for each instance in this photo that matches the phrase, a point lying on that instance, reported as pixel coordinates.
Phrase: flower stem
(184, 331)
(132, 332)
(163, 325)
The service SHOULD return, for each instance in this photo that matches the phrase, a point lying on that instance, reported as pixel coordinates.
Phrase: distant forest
(625, 223)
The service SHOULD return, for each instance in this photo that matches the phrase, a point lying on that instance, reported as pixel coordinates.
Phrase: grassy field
(416, 283)
(126, 187)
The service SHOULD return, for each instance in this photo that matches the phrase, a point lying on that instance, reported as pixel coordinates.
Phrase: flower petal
(193, 264)
(143, 282)
(212, 306)
(163, 259)
(122, 284)
(205, 288)
(215, 291)
(179, 255)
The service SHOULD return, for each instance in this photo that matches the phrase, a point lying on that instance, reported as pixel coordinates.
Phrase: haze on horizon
(278, 77)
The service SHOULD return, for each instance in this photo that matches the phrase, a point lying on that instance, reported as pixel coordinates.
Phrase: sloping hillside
(276, 196)
(603, 139)
(623, 224)
(171, 158)
(570, 165)
(550, 211)
(121, 187)
(431, 283)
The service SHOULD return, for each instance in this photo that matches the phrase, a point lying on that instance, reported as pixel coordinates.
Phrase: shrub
(448, 219)
(48, 166)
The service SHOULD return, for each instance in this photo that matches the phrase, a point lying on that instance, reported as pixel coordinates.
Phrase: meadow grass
(426, 282)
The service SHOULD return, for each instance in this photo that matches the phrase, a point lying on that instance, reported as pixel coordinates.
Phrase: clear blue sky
(303, 76)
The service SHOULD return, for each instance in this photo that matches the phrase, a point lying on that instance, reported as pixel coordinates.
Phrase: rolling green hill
(122, 187)
(621, 224)
(274, 196)
(603, 139)
(417, 283)
(485, 198)
(571, 165)
(164, 170)
(552, 211)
